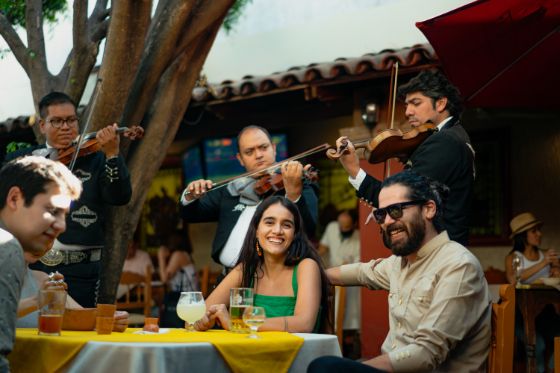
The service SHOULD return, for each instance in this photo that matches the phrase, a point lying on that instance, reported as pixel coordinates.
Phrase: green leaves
(13, 146)
(233, 14)
(14, 10)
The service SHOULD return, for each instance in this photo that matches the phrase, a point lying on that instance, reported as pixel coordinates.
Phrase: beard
(415, 232)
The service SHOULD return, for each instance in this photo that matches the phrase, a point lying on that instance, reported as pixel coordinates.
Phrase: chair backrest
(139, 293)
(500, 357)
(204, 280)
(556, 354)
(495, 276)
(340, 312)
(207, 280)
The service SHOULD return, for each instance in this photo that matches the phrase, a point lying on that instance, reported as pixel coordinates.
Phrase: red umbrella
(501, 53)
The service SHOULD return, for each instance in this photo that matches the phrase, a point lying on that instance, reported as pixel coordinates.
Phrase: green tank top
(278, 306)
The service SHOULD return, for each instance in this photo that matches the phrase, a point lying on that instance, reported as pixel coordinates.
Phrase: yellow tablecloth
(274, 352)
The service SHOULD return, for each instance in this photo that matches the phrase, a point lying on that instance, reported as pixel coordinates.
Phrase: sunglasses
(395, 210)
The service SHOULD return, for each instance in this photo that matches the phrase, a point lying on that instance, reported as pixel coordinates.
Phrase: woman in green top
(284, 269)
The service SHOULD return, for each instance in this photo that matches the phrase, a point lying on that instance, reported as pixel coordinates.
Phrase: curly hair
(422, 188)
(299, 249)
(433, 84)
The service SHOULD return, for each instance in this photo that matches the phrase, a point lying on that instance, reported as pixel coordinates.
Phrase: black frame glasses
(58, 122)
(395, 210)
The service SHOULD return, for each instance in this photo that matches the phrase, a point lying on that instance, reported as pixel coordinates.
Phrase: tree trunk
(168, 105)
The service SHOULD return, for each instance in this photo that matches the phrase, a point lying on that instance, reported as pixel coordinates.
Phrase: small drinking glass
(517, 269)
(191, 308)
(254, 317)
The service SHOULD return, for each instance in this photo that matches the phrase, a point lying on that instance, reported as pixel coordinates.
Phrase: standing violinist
(446, 156)
(106, 182)
(234, 206)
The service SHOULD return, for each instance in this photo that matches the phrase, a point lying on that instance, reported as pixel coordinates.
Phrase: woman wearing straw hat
(533, 265)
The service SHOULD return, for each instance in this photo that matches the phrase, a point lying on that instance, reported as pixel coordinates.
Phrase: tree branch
(36, 37)
(168, 24)
(99, 32)
(80, 25)
(204, 18)
(100, 11)
(14, 42)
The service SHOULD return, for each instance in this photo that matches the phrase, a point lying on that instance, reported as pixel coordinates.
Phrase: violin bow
(392, 103)
(270, 168)
(81, 137)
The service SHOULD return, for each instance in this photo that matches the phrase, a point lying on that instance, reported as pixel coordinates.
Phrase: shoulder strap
(294, 280)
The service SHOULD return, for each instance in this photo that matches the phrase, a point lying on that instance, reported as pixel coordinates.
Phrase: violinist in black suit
(234, 206)
(446, 156)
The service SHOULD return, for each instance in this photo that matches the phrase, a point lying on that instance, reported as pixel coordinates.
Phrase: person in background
(35, 196)
(137, 261)
(439, 303)
(282, 267)
(341, 243)
(534, 264)
(176, 265)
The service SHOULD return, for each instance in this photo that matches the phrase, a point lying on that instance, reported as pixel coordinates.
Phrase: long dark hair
(299, 249)
(520, 241)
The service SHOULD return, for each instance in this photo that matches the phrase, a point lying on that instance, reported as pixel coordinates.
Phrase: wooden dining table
(531, 300)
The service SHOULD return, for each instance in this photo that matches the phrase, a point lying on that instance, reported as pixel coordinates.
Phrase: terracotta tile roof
(315, 73)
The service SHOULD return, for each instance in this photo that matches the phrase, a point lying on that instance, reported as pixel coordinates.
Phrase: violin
(91, 145)
(390, 143)
(268, 179)
(273, 182)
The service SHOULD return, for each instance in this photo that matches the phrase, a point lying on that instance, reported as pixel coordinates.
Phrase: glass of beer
(239, 299)
(52, 303)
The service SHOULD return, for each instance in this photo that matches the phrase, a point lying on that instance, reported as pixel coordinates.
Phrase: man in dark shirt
(35, 196)
(446, 156)
(106, 182)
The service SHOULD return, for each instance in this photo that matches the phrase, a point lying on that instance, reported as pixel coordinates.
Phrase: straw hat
(523, 222)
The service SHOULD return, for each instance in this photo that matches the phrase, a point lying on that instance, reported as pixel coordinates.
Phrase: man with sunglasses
(106, 182)
(446, 156)
(439, 305)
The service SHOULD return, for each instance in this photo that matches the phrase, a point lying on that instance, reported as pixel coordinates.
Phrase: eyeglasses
(57, 122)
(395, 210)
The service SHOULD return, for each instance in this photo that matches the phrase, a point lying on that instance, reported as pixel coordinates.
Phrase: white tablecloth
(182, 357)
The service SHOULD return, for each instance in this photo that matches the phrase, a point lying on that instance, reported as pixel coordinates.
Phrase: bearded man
(439, 306)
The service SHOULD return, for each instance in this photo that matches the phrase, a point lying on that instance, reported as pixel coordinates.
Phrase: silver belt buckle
(53, 258)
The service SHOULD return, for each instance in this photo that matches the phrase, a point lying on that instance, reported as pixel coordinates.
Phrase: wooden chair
(138, 296)
(207, 279)
(495, 276)
(340, 296)
(500, 357)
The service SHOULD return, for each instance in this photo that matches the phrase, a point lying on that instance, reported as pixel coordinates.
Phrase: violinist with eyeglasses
(234, 204)
(445, 156)
(106, 182)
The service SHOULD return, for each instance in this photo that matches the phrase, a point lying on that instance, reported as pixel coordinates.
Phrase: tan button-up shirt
(439, 307)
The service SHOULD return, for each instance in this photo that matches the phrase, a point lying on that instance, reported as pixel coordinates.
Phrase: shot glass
(105, 318)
